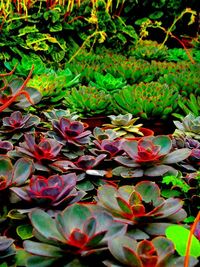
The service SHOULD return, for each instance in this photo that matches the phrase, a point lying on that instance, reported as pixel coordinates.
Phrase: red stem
(186, 261)
(19, 92)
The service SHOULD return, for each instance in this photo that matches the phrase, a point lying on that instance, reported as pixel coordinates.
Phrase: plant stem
(186, 261)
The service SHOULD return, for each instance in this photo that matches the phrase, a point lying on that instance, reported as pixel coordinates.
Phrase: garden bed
(99, 148)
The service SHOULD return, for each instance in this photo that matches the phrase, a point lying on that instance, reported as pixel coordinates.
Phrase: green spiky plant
(54, 85)
(150, 100)
(88, 101)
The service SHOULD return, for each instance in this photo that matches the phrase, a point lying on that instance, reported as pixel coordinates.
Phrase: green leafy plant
(179, 236)
(176, 54)
(148, 100)
(107, 82)
(149, 50)
(88, 101)
(54, 85)
(191, 105)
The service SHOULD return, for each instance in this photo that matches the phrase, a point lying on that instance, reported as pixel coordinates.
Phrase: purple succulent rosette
(70, 132)
(17, 121)
(50, 192)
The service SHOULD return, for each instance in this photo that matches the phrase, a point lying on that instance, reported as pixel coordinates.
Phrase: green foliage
(176, 54)
(179, 236)
(107, 82)
(54, 85)
(149, 50)
(146, 100)
(88, 101)
(176, 181)
(191, 105)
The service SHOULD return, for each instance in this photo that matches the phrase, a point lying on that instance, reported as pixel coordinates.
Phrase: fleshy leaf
(179, 236)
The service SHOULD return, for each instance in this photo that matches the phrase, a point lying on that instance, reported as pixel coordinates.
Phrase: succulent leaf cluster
(146, 100)
(88, 101)
(124, 125)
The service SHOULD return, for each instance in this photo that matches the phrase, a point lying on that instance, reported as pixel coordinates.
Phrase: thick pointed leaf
(96, 239)
(164, 142)
(73, 217)
(106, 195)
(117, 244)
(45, 225)
(149, 191)
(177, 156)
(42, 249)
(5, 165)
(23, 168)
(164, 248)
(158, 170)
(132, 259)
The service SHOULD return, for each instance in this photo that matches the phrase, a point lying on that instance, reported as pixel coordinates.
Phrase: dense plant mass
(99, 133)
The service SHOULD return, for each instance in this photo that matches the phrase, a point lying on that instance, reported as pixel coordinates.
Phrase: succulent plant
(85, 168)
(124, 126)
(14, 175)
(182, 141)
(190, 127)
(5, 146)
(78, 230)
(47, 150)
(141, 206)
(150, 100)
(107, 82)
(186, 81)
(56, 114)
(71, 132)
(82, 164)
(157, 252)
(149, 50)
(150, 156)
(100, 134)
(53, 85)
(189, 105)
(50, 192)
(17, 121)
(111, 148)
(88, 101)
(7, 247)
(177, 54)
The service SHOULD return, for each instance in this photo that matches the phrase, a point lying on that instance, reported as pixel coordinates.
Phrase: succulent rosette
(51, 191)
(141, 206)
(111, 148)
(71, 132)
(150, 156)
(78, 230)
(157, 252)
(17, 174)
(44, 151)
(17, 121)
